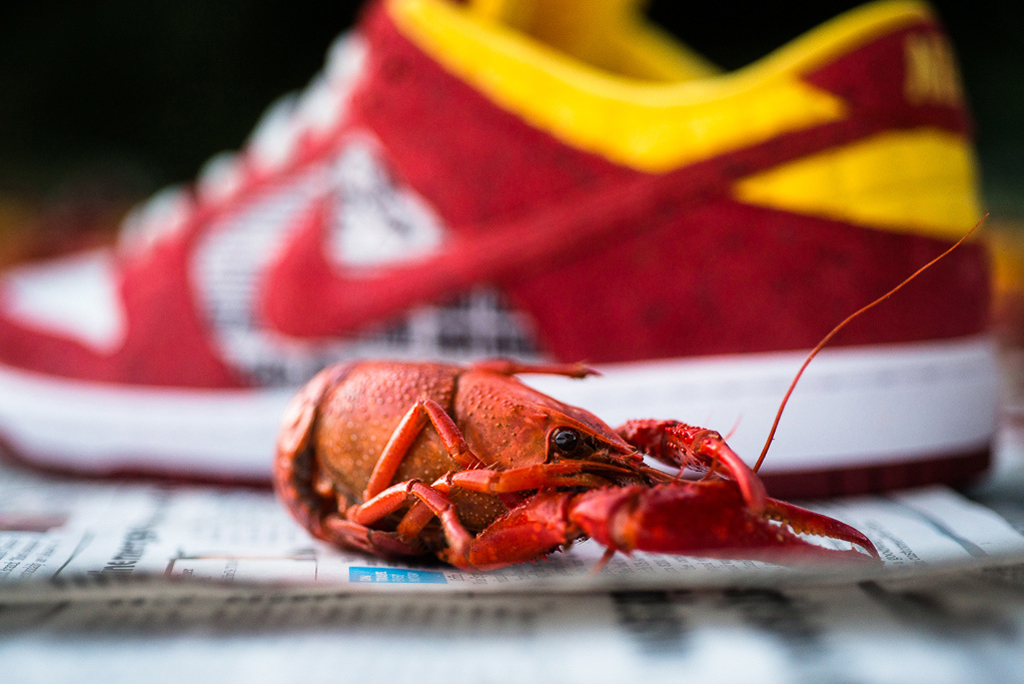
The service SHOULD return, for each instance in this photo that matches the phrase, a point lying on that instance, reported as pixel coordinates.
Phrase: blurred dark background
(104, 102)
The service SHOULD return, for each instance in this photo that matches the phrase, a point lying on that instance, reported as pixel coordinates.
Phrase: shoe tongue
(517, 14)
(573, 26)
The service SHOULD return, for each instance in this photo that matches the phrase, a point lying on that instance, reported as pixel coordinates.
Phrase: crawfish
(475, 467)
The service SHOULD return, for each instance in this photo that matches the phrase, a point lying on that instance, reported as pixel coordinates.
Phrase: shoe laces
(271, 146)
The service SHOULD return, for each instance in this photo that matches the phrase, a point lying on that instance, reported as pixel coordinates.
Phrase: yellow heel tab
(840, 35)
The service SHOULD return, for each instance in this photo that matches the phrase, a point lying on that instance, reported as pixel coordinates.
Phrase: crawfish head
(509, 425)
(475, 467)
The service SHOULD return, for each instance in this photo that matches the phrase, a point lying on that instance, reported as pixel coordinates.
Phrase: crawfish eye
(565, 440)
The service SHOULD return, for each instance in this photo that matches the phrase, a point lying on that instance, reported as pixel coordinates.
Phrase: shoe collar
(608, 34)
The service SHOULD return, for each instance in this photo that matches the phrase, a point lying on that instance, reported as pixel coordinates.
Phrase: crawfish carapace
(473, 466)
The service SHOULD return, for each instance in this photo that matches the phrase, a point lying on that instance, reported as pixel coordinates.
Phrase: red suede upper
(694, 272)
(612, 264)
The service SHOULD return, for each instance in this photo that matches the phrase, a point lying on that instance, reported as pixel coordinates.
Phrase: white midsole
(854, 407)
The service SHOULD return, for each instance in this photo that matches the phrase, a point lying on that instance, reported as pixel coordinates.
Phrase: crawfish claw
(710, 518)
(688, 446)
(809, 522)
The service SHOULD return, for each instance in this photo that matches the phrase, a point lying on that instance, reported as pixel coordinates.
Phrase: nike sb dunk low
(512, 179)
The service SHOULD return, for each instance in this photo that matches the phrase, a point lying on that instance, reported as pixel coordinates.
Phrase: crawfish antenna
(843, 324)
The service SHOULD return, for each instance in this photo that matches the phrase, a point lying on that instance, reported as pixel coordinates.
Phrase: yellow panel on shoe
(920, 180)
(645, 124)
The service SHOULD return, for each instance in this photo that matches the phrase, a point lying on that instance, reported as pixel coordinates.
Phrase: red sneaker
(467, 181)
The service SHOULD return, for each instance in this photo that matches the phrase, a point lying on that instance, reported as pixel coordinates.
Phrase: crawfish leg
(530, 529)
(395, 497)
(688, 446)
(422, 412)
(533, 529)
(542, 476)
(344, 532)
(505, 484)
(337, 528)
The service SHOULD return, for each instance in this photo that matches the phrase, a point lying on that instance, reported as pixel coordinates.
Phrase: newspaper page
(88, 536)
(959, 628)
(200, 584)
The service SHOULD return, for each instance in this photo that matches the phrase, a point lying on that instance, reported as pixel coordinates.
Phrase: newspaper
(101, 537)
(967, 629)
(200, 584)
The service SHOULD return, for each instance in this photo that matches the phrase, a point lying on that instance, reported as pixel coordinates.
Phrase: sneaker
(519, 179)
